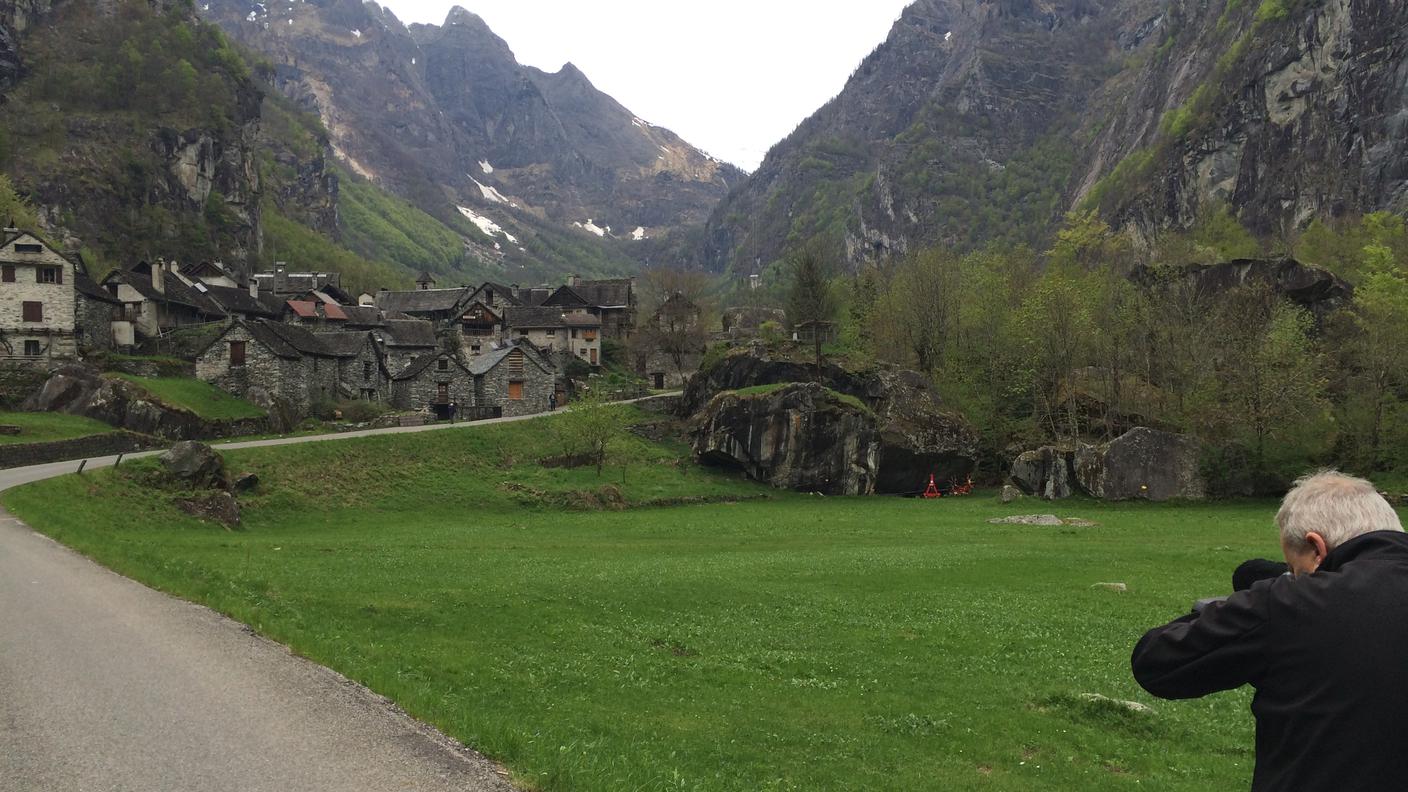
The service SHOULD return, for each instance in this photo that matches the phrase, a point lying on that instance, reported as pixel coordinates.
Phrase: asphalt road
(107, 685)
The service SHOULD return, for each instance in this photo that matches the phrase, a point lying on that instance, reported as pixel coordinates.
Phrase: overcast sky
(732, 77)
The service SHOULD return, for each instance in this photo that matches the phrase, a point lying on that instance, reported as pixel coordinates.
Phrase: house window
(515, 364)
(552, 333)
(31, 348)
(33, 311)
(7, 273)
(584, 351)
(49, 275)
(366, 369)
(574, 333)
(515, 391)
(475, 349)
(28, 247)
(236, 353)
(443, 364)
(442, 393)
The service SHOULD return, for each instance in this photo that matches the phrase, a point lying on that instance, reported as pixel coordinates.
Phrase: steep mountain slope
(987, 121)
(446, 117)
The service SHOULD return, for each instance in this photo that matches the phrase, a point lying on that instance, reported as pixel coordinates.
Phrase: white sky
(732, 77)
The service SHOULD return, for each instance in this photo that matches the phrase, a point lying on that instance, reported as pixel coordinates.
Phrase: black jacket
(1328, 656)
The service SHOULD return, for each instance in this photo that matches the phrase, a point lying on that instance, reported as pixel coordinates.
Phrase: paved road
(108, 686)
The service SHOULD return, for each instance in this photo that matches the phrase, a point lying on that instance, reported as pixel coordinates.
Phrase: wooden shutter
(237, 351)
(8, 273)
(33, 311)
(59, 275)
(515, 391)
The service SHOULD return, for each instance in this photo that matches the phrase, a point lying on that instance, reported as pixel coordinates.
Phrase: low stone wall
(24, 454)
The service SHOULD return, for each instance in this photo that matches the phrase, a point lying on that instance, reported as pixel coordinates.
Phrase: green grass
(199, 397)
(763, 390)
(47, 427)
(791, 643)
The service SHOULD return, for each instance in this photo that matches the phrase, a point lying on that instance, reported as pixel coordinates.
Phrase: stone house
(435, 305)
(361, 365)
(435, 381)
(155, 300)
(675, 341)
(261, 358)
(515, 379)
(285, 284)
(612, 300)
(404, 340)
(98, 318)
(567, 334)
(38, 302)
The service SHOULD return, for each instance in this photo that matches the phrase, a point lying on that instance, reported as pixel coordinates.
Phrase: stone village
(294, 339)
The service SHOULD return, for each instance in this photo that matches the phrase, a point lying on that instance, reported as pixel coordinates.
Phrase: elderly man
(1326, 647)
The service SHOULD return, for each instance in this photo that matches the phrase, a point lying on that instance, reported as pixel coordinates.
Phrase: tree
(679, 307)
(592, 427)
(810, 299)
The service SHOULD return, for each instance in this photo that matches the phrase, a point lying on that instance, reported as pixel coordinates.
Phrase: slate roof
(176, 292)
(343, 344)
(485, 363)
(534, 317)
(611, 293)
(364, 316)
(420, 302)
(87, 287)
(422, 362)
(299, 339)
(408, 333)
(302, 309)
(580, 320)
(238, 301)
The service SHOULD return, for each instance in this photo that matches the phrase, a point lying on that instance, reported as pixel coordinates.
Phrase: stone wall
(424, 388)
(538, 386)
(93, 324)
(296, 382)
(363, 374)
(54, 334)
(24, 454)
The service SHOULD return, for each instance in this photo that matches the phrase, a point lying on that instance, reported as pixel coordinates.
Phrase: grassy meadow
(48, 427)
(199, 397)
(688, 641)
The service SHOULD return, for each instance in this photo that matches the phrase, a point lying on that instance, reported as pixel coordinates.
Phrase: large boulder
(194, 466)
(802, 436)
(918, 436)
(1142, 463)
(1044, 472)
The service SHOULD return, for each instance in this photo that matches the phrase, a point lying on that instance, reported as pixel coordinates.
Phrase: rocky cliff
(446, 117)
(988, 120)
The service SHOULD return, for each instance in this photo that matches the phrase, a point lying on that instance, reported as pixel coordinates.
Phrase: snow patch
(948, 36)
(491, 194)
(413, 61)
(662, 148)
(253, 16)
(486, 167)
(593, 228)
(486, 225)
(638, 234)
(357, 33)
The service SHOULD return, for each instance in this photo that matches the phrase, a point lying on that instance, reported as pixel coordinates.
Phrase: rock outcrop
(78, 389)
(917, 435)
(1143, 463)
(803, 437)
(194, 466)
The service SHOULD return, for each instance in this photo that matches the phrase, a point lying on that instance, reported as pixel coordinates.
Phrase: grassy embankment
(199, 397)
(787, 643)
(48, 427)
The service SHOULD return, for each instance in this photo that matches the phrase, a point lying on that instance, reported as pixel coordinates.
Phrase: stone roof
(343, 343)
(365, 316)
(485, 363)
(420, 302)
(175, 291)
(534, 317)
(238, 301)
(408, 333)
(87, 287)
(299, 339)
(612, 293)
(422, 362)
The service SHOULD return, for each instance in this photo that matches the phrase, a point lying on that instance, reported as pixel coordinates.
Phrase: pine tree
(810, 299)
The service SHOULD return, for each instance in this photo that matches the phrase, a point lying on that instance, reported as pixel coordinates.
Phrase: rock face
(1155, 112)
(917, 436)
(801, 437)
(1142, 463)
(431, 111)
(77, 389)
(1317, 290)
(194, 466)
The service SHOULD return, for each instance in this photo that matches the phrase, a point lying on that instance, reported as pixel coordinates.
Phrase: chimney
(253, 287)
(159, 275)
(575, 281)
(280, 277)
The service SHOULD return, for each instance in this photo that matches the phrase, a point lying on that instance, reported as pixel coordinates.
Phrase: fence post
(82, 465)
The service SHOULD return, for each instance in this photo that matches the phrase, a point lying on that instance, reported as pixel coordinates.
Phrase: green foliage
(1271, 11)
(359, 411)
(14, 208)
(593, 428)
(286, 240)
(193, 395)
(382, 227)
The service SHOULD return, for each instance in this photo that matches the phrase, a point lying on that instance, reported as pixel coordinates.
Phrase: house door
(442, 395)
(659, 381)
(593, 357)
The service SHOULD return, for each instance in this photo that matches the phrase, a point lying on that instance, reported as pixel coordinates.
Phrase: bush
(349, 411)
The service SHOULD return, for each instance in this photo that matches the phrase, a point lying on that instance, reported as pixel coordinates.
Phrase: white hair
(1336, 506)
